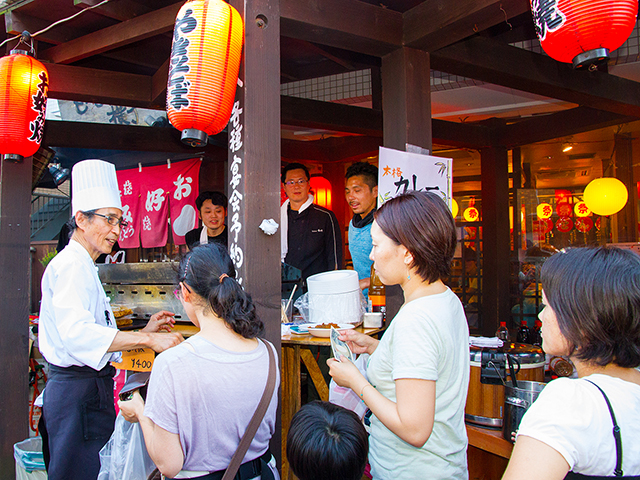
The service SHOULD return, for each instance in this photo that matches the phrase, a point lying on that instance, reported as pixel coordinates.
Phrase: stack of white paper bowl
(334, 297)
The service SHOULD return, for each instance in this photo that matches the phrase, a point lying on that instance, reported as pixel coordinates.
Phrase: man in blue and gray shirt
(361, 191)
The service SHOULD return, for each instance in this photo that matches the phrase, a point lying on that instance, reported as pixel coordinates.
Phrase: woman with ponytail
(203, 393)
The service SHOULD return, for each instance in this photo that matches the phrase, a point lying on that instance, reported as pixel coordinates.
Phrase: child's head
(208, 272)
(327, 442)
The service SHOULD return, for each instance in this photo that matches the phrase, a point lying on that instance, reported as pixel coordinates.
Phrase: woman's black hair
(208, 272)
(421, 222)
(327, 442)
(595, 294)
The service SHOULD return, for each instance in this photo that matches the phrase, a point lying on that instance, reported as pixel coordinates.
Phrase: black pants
(78, 417)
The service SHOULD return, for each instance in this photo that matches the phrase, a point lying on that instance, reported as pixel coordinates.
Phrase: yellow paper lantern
(471, 214)
(605, 196)
(544, 210)
(454, 208)
(581, 210)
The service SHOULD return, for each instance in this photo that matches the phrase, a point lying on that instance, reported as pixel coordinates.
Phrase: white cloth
(491, 342)
(73, 329)
(94, 184)
(428, 340)
(571, 416)
(204, 236)
(207, 395)
(284, 222)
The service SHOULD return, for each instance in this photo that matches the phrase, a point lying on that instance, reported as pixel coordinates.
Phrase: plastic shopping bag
(124, 456)
(347, 398)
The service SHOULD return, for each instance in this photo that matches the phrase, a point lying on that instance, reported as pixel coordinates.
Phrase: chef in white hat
(77, 331)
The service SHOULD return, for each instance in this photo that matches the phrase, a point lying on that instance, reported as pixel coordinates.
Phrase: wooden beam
(461, 135)
(98, 86)
(159, 85)
(306, 113)
(493, 62)
(555, 125)
(347, 24)
(16, 22)
(434, 24)
(15, 193)
(331, 149)
(124, 33)
(119, 137)
(121, 10)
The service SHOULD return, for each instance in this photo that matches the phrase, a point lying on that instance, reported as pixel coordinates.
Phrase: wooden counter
(488, 453)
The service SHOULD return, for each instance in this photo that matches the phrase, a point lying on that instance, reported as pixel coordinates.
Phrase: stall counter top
(489, 440)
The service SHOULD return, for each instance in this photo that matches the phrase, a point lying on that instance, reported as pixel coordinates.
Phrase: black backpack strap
(616, 434)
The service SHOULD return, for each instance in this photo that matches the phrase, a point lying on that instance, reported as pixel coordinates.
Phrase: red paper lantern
(24, 84)
(583, 32)
(321, 188)
(203, 73)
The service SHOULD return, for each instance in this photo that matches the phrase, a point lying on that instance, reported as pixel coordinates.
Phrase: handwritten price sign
(137, 360)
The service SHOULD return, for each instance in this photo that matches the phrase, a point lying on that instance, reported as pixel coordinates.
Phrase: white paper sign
(399, 172)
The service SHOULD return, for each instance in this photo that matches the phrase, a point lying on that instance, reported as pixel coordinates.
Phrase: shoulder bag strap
(616, 434)
(247, 438)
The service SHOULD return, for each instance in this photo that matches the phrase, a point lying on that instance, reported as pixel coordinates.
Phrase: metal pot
(485, 400)
(516, 402)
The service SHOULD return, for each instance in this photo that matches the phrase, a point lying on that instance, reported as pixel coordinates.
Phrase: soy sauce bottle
(524, 334)
(503, 332)
(536, 335)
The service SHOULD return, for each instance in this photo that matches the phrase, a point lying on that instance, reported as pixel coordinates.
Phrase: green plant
(48, 257)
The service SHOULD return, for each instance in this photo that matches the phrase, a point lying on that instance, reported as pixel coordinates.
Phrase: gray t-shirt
(208, 397)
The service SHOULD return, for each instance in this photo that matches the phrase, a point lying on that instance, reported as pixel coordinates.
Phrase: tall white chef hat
(94, 185)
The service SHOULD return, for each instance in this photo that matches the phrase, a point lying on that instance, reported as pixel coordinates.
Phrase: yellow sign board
(137, 360)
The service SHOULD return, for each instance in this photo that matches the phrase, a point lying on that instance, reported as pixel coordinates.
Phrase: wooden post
(406, 99)
(627, 218)
(15, 209)
(254, 167)
(494, 163)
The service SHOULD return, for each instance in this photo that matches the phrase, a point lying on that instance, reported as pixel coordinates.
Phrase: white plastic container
(334, 297)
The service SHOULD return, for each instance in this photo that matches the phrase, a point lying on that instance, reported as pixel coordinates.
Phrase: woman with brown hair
(580, 428)
(418, 374)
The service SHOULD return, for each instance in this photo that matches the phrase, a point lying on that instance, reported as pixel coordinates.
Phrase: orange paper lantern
(583, 32)
(24, 84)
(203, 73)
(321, 191)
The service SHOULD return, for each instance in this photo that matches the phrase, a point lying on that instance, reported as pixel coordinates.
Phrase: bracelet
(365, 386)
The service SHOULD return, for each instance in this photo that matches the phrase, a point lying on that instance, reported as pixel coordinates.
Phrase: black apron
(617, 473)
(77, 419)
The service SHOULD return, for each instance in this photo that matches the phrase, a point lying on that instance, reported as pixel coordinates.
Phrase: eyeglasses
(178, 292)
(296, 182)
(113, 220)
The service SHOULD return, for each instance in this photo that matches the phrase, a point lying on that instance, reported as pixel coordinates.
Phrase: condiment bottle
(536, 335)
(523, 333)
(503, 332)
(377, 295)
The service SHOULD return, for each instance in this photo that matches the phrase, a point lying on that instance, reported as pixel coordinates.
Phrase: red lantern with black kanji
(203, 70)
(24, 84)
(583, 32)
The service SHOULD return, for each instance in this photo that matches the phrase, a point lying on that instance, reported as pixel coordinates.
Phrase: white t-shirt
(571, 416)
(208, 397)
(429, 340)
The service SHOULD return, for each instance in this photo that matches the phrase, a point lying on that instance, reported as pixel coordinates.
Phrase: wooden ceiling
(117, 53)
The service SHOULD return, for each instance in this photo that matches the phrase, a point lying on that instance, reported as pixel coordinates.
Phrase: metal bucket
(516, 403)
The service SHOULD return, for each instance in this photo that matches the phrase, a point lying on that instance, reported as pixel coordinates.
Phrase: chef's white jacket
(73, 328)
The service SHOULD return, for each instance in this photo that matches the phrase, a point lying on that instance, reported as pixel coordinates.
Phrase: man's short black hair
(327, 442)
(294, 166)
(217, 198)
(366, 170)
